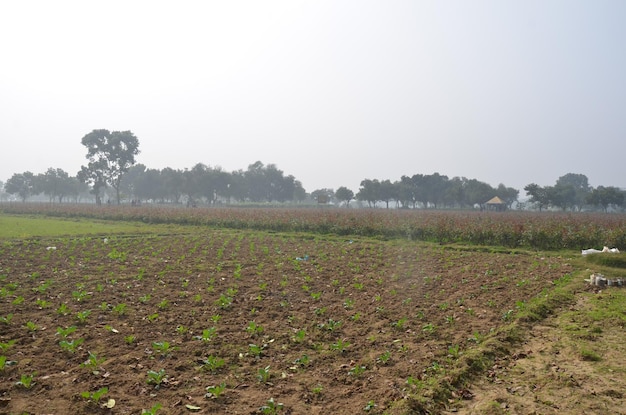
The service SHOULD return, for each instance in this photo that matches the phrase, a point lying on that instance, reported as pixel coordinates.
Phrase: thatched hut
(496, 204)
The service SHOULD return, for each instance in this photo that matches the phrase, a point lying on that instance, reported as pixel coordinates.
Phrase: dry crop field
(241, 321)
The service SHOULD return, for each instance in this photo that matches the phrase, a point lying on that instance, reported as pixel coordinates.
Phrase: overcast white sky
(332, 92)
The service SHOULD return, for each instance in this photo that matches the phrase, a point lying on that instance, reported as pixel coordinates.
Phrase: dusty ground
(551, 374)
(342, 326)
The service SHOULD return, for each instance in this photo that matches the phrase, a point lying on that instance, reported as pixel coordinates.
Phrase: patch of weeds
(590, 355)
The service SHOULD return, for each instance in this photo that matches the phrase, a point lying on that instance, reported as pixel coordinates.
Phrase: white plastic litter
(596, 251)
(51, 248)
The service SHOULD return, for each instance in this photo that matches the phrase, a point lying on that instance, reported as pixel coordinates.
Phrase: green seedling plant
(94, 396)
(254, 329)
(255, 350)
(63, 310)
(82, 316)
(207, 335)
(271, 407)
(399, 325)
(156, 378)
(357, 370)
(163, 348)
(152, 411)
(6, 319)
(31, 326)
(93, 362)
(80, 295)
(4, 362)
(26, 381)
(330, 325)
(5, 346)
(130, 339)
(300, 335)
(384, 358)
(64, 332)
(213, 363)
(71, 346)
(340, 346)
(214, 392)
(120, 309)
(264, 374)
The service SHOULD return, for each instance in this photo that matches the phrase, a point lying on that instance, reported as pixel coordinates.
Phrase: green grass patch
(607, 260)
(24, 227)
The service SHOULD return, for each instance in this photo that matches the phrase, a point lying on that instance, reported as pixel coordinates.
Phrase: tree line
(112, 172)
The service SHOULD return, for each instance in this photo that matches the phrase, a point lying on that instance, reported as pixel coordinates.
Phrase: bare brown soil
(342, 326)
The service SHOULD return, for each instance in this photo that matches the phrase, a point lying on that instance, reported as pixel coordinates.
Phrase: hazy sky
(332, 92)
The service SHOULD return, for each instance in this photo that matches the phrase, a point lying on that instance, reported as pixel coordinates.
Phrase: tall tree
(110, 155)
(369, 192)
(343, 194)
(606, 197)
(22, 184)
(580, 184)
(538, 195)
(56, 183)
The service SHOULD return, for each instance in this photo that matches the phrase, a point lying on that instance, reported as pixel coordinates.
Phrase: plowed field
(318, 324)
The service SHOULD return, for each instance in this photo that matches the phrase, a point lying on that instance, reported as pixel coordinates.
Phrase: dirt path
(567, 365)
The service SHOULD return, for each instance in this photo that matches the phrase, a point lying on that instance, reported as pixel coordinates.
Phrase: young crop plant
(120, 309)
(254, 329)
(163, 348)
(163, 305)
(26, 381)
(130, 339)
(71, 346)
(4, 363)
(152, 411)
(384, 358)
(80, 295)
(357, 371)
(224, 301)
(94, 396)
(330, 325)
(264, 374)
(156, 378)
(82, 316)
(300, 335)
(271, 407)
(340, 346)
(454, 351)
(64, 332)
(255, 350)
(303, 361)
(5, 346)
(207, 335)
(6, 319)
(213, 363)
(31, 326)
(63, 310)
(93, 363)
(215, 391)
(399, 325)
